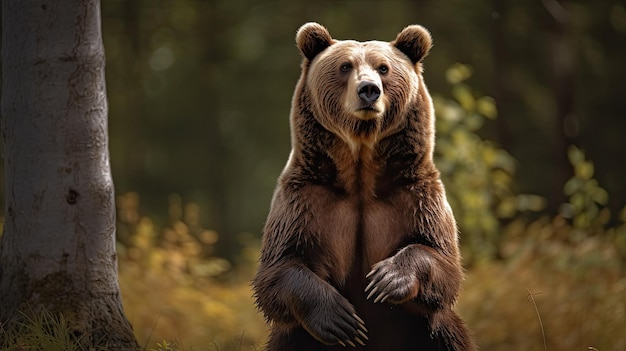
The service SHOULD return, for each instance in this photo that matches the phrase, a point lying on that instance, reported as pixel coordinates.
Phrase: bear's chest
(358, 215)
(355, 234)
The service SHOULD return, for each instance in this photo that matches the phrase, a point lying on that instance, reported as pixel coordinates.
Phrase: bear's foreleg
(416, 272)
(420, 274)
(292, 289)
(451, 332)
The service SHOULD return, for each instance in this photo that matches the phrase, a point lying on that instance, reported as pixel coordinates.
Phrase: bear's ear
(415, 42)
(312, 38)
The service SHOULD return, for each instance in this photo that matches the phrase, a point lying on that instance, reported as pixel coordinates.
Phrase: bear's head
(362, 91)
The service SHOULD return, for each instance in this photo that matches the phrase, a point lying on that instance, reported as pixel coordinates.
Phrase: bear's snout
(368, 92)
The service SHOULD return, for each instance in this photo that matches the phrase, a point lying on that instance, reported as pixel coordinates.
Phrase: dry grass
(171, 293)
(577, 289)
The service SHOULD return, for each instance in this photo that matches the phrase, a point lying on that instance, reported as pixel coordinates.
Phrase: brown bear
(360, 248)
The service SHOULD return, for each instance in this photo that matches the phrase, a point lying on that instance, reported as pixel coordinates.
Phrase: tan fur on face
(364, 72)
(335, 94)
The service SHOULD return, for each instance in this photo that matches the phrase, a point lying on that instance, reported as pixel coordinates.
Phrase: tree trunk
(58, 248)
(502, 92)
(563, 85)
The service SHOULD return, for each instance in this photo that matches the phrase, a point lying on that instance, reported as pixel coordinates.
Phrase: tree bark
(563, 86)
(57, 251)
(501, 57)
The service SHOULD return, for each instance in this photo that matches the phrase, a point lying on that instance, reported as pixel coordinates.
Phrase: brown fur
(360, 247)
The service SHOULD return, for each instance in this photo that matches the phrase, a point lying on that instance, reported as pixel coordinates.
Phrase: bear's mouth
(367, 112)
(369, 108)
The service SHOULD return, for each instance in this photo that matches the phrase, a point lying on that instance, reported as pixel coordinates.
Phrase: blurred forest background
(530, 99)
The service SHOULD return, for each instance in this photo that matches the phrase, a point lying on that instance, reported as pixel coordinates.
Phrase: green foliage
(572, 265)
(586, 197)
(477, 173)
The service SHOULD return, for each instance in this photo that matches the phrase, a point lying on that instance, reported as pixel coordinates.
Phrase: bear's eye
(383, 69)
(346, 67)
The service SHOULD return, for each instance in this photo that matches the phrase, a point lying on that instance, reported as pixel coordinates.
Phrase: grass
(43, 332)
(531, 298)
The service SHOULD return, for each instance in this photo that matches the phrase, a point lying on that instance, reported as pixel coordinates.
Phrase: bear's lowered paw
(335, 322)
(391, 282)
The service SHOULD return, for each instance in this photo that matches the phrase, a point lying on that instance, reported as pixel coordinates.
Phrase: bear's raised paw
(391, 282)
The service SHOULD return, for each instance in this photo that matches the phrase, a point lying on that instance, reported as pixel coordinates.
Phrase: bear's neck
(357, 168)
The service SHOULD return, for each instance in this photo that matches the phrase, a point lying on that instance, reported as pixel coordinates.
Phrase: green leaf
(575, 155)
(458, 73)
(463, 95)
(528, 202)
(506, 208)
(578, 201)
(474, 122)
(584, 170)
(600, 196)
(486, 106)
(572, 186)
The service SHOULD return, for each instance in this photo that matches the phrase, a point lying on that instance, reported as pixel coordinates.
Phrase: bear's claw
(336, 323)
(389, 282)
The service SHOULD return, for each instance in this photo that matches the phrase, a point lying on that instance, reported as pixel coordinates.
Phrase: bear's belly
(383, 230)
(334, 220)
(387, 333)
(354, 233)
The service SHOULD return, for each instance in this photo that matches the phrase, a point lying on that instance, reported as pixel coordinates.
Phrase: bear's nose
(368, 92)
